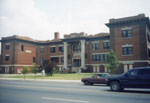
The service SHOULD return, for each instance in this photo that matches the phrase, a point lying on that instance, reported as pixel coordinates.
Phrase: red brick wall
(134, 40)
(25, 58)
(89, 50)
(5, 52)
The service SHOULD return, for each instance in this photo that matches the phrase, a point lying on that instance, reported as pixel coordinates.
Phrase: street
(23, 91)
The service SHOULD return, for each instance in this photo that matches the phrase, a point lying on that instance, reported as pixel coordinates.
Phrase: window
(61, 49)
(133, 73)
(62, 59)
(6, 57)
(127, 33)
(52, 49)
(76, 47)
(7, 47)
(41, 60)
(76, 62)
(95, 46)
(54, 59)
(42, 49)
(33, 59)
(86, 56)
(68, 57)
(127, 51)
(99, 57)
(22, 48)
(106, 45)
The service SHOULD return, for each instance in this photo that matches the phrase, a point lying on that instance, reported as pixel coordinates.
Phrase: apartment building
(129, 37)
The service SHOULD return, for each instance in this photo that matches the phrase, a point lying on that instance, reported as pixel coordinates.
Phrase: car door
(145, 76)
(102, 79)
(98, 79)
(93, 79)
(131, 79)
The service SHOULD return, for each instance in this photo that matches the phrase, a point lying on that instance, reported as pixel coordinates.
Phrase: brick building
(129, 37)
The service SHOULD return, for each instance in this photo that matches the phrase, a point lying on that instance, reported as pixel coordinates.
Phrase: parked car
(99, 78)
(134, 78)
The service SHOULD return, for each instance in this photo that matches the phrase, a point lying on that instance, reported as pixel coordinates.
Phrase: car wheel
(86, 82)
(115, 86)
(91, 83)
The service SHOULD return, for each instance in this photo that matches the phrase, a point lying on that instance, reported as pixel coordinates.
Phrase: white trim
(60, 65)
(95, 42)
(52, 46)
(7, 55)
(17, 65)
(96, 64)
(106, 40)
(60, 45)
(127, 45)
(99, 53)
(41, 46)
(126, 28)
(57, 56)
(133, 61)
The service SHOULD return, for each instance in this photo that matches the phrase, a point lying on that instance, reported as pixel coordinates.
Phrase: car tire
(87, 82)
(115, 86)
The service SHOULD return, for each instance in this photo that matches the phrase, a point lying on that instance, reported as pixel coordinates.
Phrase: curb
(52, 80)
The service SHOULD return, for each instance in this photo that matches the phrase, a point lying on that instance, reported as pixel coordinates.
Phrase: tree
(48, 66)
(34, 70)
(25, 71)
(112, 61)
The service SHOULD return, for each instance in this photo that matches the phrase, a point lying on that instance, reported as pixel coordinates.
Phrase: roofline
(57, 42)
(125, 21)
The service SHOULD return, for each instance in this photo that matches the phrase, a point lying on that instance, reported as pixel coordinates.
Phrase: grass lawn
(60, 76)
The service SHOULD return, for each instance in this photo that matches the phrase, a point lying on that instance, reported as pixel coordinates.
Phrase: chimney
(56, 34)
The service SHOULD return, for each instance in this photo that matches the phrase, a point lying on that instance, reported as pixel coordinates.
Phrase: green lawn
(60, 76)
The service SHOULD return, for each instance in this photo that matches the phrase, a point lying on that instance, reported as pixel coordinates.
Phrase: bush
(34, 70)
(25, 71)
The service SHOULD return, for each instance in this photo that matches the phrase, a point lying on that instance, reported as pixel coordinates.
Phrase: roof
(141, 18)
(99, 36)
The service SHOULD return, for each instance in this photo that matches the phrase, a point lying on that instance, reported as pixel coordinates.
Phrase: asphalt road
(21, 91)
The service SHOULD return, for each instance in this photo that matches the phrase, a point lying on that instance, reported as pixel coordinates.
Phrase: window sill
(95, 50)
(106, 49)
(53, 53)
(126, 37)
(128, 55)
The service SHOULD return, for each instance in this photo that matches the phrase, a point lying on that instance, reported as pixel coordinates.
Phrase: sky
(39, 19)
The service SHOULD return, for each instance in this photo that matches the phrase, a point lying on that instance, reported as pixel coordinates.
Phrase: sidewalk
(52, 80)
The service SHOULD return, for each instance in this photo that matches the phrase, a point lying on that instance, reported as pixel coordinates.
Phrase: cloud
(21, 17)
(39, 19)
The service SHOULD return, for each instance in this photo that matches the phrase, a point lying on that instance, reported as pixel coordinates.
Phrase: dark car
(134, 78)
(99, 78)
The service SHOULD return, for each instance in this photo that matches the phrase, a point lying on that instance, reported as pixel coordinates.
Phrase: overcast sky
(39, 19)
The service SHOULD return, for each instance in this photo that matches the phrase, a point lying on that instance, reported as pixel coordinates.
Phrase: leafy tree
(25, 71)
(48, 66)
(112, 61)
(34, 70)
